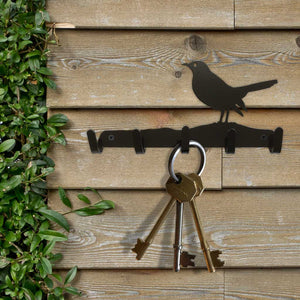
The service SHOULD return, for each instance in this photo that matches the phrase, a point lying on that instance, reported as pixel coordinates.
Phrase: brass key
(183, 191)
(211, 257)
(173, 188)
(141, 246)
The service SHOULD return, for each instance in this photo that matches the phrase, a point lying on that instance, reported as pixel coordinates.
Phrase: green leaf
(52, 235)
(38, 18)
(105, 204)
(34, 64)
(39, 30)
(38, 295)
(73, 291)
(55, 217)
(63, 197)
(45, 71)
(35, 241)
(89, 211)
(29, 219)
(49, 282)
(60, 140)
(11, 236)
(11, 183)
(56, 257)
(71, 275)
(84, 198)
(26, 147)
(58, 291)
(58, 120)
(23, 44)
(57, 277)
(51, 130)
(3, 262)
(47, 250)
(94, 191)
(32, 117)
(3, 39)
(7, 145)
(50, 83)
(33, 53)
(28, 294)
(46, 264)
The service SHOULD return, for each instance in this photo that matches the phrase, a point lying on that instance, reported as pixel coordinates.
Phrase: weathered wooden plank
(155, 284)
(159, 284)
(194, 14)
(77, 167)
(267, 14)
(262, 284)
(253, 228)
(257, 167)
(140, 284)
(144, 68)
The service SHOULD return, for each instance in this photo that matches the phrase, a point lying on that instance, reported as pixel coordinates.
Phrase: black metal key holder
(214, 92)
(227, 135)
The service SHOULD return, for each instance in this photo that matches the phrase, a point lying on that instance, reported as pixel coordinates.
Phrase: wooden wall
(119, 66)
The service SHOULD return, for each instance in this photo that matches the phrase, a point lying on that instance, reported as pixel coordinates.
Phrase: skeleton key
(211, 257)
(141, 246)
(182, 191)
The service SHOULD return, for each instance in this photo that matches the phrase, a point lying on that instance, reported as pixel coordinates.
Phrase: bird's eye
(195, 64)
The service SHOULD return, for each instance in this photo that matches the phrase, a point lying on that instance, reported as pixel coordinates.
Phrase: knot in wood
(197, 43)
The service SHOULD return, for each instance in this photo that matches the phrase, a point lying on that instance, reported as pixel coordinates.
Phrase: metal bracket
(227, 135)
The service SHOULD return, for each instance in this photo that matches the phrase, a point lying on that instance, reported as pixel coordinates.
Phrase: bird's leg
(222, 114)
(227, 115)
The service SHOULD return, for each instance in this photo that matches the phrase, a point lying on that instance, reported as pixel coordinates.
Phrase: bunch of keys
(183, 189)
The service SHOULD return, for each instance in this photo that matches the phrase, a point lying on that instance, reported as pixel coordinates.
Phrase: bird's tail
(244, 90)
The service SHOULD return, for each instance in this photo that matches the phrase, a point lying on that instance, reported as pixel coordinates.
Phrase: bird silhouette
(214, 92)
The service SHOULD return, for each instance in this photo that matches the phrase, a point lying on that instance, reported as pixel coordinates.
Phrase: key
(183, 191)
(178, 236)
(211, 257)
(141, 246)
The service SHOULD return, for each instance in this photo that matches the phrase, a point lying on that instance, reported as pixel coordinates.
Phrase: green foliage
(91, 210)
(26, 237)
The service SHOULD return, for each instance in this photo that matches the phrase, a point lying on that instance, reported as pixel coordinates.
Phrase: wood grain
(77, 167)
(159, 284)
(257, 167)
(267, 14)
(212, 14)
(252, 228)
(144, 68)
(154, 284)
(262, 284)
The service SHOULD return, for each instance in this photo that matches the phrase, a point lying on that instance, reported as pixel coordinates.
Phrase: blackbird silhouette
(214, 92)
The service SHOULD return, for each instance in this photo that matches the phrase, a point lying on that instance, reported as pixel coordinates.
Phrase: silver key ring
(175, 152)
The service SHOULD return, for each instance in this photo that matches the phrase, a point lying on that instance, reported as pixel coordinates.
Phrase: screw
(263, 137)
(111, 137)
(178, 74)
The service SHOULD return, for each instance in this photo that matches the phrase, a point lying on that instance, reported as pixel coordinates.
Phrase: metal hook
(175, 152)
